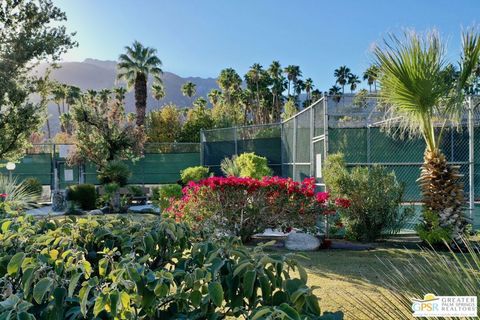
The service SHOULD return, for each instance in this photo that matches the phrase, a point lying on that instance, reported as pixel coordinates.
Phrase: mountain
(97, 74)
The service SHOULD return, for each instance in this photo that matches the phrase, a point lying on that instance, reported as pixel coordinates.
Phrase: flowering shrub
(244, 206)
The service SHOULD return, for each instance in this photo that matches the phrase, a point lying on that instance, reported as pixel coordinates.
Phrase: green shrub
(430, 231)
(124, 268)
(164, 194)
(34, 186)
(194, 174)
(115, 171)
(84, 195)
(375, 196)
(136, 191)
(230, 168)
(253, 166)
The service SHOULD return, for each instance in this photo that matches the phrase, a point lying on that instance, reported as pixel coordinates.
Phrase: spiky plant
(18, 195)
(413, 83)
(421, 272)
(230, 168)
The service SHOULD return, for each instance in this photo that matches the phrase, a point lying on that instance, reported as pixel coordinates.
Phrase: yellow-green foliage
(194, 174)
(253, 166)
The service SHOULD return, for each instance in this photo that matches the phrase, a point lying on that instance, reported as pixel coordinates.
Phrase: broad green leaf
(249, 282)
(41, 288)
(102, 267)
(27, 279)
(73, 284)
(125, 299)
(161, 290)
(196, 298)
(215, 292)
(83, 294)
(261, 313)
(6, 226)
(15, 263)
(240, 268)
(292, 313)
(114, 301)
(312, 303)
(100, 303)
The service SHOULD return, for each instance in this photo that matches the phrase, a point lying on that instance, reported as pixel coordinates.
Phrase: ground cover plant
(243, 206)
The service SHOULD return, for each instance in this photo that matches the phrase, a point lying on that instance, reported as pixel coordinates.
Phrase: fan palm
(134, 67)
(335, 92)
(353, 81)
(214, 96)
(189, 89)
(412, 80)
(158, 91)
(308, 90)
(371, 75)
(293, 73)
(342, 74)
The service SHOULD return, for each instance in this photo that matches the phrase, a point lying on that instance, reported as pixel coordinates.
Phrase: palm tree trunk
(442, 191)
(49, 132)
(141, 98)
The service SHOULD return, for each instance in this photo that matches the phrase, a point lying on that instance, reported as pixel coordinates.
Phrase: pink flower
(3, 195)
(322, 197)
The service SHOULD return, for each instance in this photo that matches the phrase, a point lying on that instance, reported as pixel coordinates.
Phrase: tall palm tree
(189, 89)
(158, 91)
(120, 93)
(335, 92)
(308, 90)
(134, 67)
(73, 94)
(298, 88)
(104, 95)
(412, 77)
(44, 89)
(371, 75)
(353, 81)
(293, 73)
(279, 84)
(59, 95)
(214, 96)
(230, 83)
(342, 74)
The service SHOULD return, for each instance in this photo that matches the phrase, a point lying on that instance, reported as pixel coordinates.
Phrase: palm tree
(189, 89)
(316, 95)
(293, 73)
(73, 94)
(120, 93)
(371, 75)
(412, 77)
(335, 92)
(230, 83)
(214, 96)
(298, 88)
(308, 89)
(353, 81)
(342, 75)
(158, 91)
(279, 85)
(104, 95)
(59, 96)
(134, 67)
(44, 89)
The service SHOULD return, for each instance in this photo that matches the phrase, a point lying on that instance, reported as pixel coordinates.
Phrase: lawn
(341, 276)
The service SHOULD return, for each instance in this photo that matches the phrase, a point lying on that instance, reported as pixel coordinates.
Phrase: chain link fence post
(471, 159)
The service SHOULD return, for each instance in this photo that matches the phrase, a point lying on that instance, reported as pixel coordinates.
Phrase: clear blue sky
(201, 37)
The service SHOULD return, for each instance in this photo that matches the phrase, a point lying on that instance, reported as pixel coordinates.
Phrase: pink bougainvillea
(244, 206)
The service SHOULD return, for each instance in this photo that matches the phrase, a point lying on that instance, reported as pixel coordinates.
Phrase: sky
(202, 37)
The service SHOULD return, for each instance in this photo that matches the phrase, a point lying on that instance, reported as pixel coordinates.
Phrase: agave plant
(18, 195)
(229, 167)
(414, 82)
